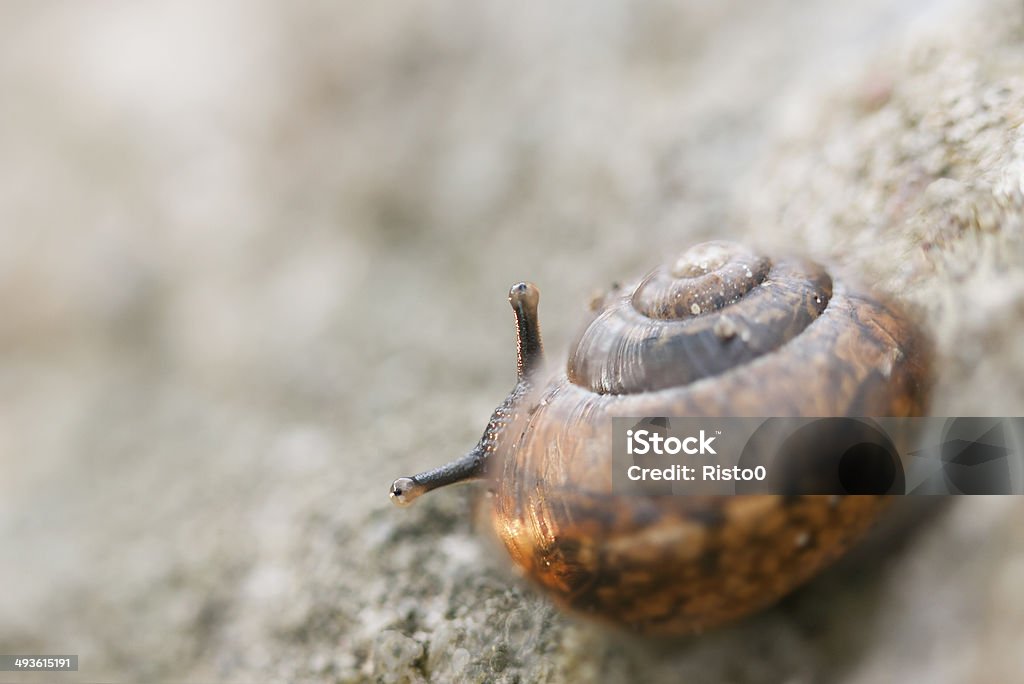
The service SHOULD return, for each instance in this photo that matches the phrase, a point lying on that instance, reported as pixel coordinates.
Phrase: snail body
(722, 331)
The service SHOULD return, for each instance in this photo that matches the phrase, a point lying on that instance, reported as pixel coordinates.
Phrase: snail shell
(721, 331)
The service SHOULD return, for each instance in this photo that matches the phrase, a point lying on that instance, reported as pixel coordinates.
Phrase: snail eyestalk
(529, 350)
(473, 466)
(405, 490)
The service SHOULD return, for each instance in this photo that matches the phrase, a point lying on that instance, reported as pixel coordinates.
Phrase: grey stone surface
(253, 259)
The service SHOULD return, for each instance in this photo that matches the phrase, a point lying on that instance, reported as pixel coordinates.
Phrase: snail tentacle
(523, 297)
(469, 467)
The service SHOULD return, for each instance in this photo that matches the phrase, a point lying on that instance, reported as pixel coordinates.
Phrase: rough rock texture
(253, 259)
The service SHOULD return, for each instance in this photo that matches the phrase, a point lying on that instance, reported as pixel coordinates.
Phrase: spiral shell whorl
(717, 307)
(705, 278)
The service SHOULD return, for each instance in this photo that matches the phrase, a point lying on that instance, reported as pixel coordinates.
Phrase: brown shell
(720, 332)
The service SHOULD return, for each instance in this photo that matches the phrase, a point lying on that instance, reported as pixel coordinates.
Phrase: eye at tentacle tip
(405, 490)
(524, 294)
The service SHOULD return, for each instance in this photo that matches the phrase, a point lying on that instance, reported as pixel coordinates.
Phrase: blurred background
(253, 266)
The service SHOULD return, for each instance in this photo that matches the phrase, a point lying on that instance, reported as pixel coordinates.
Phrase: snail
(721, 331)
